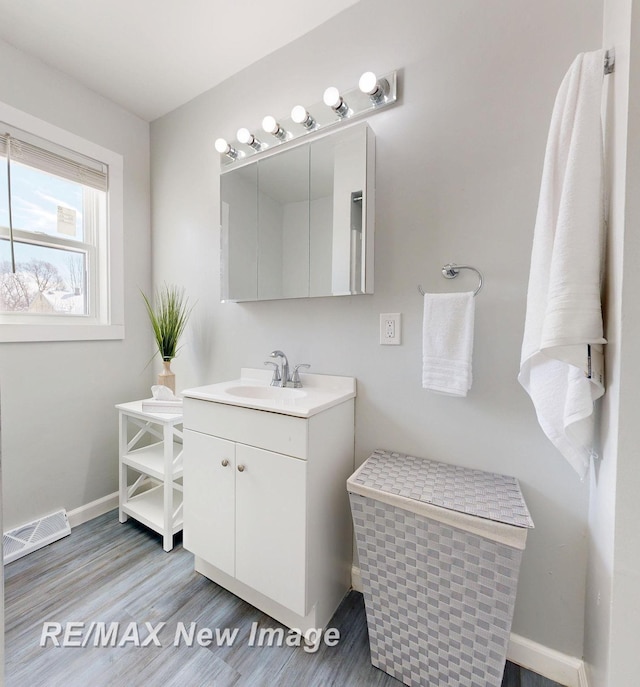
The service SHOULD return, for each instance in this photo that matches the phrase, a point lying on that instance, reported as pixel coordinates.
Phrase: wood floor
(108, 572)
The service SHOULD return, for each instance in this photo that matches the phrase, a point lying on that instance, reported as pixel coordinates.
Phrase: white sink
(253, 390)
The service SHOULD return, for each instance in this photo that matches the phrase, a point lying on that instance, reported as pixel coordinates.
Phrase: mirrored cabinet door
(299, 223)
(239, 234)
(338, 206)
(283, 225)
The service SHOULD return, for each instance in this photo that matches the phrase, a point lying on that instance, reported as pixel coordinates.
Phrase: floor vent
(34, 535)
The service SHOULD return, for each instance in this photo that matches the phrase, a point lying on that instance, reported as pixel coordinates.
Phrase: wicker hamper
(439, 548)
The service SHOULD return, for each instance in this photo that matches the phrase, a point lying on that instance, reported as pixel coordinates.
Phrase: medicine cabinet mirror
(299, 222)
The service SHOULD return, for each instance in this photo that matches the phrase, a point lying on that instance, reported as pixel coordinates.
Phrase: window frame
(107, 320)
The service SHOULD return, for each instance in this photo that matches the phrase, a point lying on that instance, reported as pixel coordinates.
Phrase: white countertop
(253, 390)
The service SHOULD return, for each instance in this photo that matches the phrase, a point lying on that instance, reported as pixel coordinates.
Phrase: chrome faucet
(281, 375)
(276, 379)
(295, 377)
(284, 370)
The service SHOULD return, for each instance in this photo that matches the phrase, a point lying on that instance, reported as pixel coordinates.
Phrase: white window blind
(63, 194)
(65, 164)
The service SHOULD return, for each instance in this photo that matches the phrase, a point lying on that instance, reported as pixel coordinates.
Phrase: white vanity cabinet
(248, 508)
(266, 511)
(212, 500)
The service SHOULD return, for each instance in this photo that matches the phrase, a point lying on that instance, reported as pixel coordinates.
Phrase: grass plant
(169, 315)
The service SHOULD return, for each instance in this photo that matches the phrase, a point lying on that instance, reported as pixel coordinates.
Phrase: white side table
(155, 497)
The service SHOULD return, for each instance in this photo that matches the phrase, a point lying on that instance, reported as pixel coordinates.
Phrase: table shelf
(148, 508)
(158, 507)
(150, 460)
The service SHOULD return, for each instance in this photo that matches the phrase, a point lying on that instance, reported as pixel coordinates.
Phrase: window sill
(14, 333)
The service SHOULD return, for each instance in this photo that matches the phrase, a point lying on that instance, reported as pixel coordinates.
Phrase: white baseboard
(556, 666)
(552, 664)
(356, 580)
(583, 680)
(92, 510)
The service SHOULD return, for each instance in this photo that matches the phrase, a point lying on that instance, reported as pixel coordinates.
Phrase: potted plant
(168, 318)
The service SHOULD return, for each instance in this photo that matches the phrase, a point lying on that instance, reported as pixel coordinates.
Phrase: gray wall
(59, 427)
(602, 511)
(613, 589)
(459, 162)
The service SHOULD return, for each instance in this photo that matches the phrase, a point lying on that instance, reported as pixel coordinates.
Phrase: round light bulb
(299, 114)
(332, 97)
(222, 146)
(368, 83)
(270, 125)
(244, 136)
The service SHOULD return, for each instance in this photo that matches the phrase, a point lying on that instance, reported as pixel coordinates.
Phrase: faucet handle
(295, 377)
(276, 379)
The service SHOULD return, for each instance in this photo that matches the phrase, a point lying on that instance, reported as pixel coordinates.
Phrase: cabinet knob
(240, 468)
(225, 462)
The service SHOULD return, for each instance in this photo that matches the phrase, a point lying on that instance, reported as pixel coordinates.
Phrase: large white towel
(447, 333)
(563, 302)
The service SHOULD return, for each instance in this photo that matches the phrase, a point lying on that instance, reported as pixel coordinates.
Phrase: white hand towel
(563, 301)
(447, 340)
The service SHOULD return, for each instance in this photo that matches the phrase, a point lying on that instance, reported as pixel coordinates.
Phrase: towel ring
(451, 271)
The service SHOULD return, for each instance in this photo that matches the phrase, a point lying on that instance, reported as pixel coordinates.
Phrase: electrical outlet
(390, 334)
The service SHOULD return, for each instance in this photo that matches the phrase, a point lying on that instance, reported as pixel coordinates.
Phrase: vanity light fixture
(271, 126)
(337, 108)
(300, 115)
(245, 136)
(225, 148)
(377, 89)
(335, 101)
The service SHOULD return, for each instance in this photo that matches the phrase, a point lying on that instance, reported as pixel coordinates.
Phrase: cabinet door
(271, 525)
(209, 500)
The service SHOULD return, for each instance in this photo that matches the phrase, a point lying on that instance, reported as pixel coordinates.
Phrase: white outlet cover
(390, 329)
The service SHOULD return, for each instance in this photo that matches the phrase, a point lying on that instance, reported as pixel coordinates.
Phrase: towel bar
(451, 271)
(610, 61)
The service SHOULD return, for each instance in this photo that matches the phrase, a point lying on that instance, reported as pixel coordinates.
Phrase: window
(60, 234)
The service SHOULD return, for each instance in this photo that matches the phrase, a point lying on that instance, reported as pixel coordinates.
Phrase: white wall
(603, 478)
(59, 427)
(626, 591)
(613, 592)
(459, 161)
